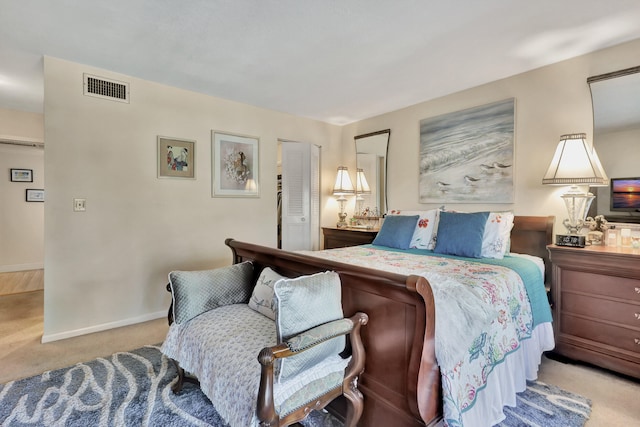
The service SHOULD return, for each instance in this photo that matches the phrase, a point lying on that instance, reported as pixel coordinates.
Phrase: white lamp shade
(343, 183)
(575, 163)
(362, 186)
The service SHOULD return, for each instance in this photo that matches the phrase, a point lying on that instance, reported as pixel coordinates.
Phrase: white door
(300, 196)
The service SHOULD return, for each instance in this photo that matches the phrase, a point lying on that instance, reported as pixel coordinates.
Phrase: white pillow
(497, 233)
(424, 235)
(262, 297)
(303, 303)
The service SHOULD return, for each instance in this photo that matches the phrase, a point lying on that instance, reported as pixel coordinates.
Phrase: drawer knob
(637, 341)
(637, 290)
(637, 315)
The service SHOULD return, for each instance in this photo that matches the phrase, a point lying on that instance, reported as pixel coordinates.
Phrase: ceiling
(338, 61)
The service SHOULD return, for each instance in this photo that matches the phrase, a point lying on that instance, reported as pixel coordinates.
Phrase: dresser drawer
(615, 336)
(599, 284)
(604, 309)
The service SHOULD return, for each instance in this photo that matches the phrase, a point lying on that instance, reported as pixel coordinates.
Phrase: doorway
(298, 196)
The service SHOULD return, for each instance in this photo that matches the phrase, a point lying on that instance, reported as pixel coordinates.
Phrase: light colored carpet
(614, 398)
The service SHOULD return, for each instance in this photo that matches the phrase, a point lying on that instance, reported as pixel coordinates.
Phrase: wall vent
(101, 87)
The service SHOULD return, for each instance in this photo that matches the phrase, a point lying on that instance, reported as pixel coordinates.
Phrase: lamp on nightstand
(575, 163)
(341, 188)
(362, 187)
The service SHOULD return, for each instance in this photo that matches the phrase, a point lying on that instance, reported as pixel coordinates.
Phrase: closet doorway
(298, 196)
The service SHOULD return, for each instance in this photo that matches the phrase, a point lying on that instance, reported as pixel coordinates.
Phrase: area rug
(134, 389)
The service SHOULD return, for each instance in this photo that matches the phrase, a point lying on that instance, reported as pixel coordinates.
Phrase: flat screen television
(625, 194)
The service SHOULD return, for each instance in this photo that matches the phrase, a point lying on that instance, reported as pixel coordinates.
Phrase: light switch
(79, 205)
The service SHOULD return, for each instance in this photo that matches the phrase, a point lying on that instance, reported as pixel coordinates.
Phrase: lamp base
(575, 240)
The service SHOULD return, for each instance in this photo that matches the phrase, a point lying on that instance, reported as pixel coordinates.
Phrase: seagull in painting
(469, 180)
(443, 186)
(500, 165)
(487, 168)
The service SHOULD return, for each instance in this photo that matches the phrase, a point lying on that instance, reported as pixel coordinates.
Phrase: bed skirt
(508, 378)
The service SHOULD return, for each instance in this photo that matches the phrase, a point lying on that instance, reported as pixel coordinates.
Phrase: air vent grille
(106, 88)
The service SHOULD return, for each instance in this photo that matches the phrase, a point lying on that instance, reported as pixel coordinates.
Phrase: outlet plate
(79, 205)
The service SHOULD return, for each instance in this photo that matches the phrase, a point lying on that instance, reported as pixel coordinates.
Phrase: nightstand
(342, 237)
(596, 306)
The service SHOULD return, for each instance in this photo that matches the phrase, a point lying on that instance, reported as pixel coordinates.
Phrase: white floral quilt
(499, 287)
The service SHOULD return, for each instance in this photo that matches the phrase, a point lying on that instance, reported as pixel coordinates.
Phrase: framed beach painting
(467, 156)
(176, 158)
(234, 165)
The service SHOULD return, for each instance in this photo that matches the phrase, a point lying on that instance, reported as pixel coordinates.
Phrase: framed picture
(21, 175)
(34, 195)
(176, 158)
(234, 165)
(467, 156)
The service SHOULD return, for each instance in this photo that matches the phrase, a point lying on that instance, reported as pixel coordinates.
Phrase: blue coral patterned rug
(134, 389)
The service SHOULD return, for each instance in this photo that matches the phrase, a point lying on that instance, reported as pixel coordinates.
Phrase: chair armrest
(317, 335)
(304, 341)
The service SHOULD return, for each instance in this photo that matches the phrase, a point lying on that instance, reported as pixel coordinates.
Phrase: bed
(403, 384)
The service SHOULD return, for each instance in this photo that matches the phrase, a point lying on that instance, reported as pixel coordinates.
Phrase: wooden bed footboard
(401, 380)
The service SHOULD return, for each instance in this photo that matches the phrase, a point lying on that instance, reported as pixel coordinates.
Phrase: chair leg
(355, 404)
(177, 387)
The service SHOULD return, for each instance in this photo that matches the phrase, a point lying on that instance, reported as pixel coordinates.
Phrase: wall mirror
(371, 161)
(616, 134)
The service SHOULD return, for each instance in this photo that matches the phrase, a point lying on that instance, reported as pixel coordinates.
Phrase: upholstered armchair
(266, 352)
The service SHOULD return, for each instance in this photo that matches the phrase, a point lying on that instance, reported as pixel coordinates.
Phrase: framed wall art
(467, 156)
(176, 158)
(34, 195)
(234, 165)
(21, 175)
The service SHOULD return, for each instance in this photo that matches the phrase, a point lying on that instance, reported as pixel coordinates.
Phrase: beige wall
(550, 101)
(21, 223)
(108, 266)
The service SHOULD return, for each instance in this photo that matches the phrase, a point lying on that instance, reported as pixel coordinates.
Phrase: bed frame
(401, 381)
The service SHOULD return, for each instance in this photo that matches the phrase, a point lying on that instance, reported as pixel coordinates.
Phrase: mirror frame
(603, 193)
(363, 139)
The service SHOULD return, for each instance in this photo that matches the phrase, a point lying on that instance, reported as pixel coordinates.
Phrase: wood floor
(21, 281)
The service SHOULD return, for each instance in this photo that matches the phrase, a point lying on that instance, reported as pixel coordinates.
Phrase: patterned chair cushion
(301, 304)
(262, 297)
(195, 292)
(221, 347)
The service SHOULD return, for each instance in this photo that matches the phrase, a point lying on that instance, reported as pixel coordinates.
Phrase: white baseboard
(21, 267)
(103, 327)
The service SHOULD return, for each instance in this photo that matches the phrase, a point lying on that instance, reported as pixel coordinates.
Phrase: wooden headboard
(531, 235)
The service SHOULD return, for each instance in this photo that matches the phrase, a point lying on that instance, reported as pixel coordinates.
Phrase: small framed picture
(35, 195)
(234, 165)
(176, 158)
(21, 175)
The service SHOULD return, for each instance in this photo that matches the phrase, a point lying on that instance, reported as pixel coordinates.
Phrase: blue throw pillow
(461, 233)
(397, 231)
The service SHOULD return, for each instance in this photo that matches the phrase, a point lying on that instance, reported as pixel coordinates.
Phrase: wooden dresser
(596, 306)
(342, 237)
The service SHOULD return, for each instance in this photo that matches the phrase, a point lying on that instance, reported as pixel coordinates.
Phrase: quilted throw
(494, 293)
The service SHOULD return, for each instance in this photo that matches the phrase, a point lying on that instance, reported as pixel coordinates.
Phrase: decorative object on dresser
(343, 237)
(596, 306)
(574, 163)
(341, 188)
